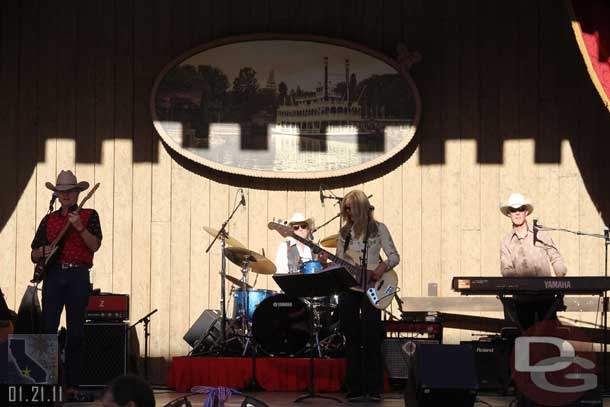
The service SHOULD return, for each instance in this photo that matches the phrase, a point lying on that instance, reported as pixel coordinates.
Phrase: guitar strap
(348, 238)
(365, 249)
(366, 243)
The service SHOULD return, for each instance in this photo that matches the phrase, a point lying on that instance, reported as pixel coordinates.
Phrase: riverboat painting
(295, 107)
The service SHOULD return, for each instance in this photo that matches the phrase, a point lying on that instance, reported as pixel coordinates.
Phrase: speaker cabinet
(398, 354)
(205, 331)
(442, 375)
(104, 353)
(492, 363)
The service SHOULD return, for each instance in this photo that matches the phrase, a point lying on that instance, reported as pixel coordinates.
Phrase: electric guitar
(379, 293)
(42, 264)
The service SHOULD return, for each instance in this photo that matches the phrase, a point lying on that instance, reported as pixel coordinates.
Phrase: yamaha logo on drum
(282, 304)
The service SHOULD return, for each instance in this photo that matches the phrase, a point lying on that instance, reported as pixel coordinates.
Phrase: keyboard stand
(558, 305)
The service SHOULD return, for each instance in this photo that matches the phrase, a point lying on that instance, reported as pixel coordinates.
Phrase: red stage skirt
(273, 374)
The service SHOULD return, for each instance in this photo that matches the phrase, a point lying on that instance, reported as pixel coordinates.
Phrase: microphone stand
(364, 275)
(325, 223)
(146, 320)
(223, 234)
(606, 237)
(335, 197)
(338, 200)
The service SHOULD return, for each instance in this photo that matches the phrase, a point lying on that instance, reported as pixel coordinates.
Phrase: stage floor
(283, 399)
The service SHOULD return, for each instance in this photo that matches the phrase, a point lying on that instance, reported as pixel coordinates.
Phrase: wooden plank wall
(507, 106)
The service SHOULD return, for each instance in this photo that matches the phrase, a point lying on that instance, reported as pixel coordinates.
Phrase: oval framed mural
(285, 106)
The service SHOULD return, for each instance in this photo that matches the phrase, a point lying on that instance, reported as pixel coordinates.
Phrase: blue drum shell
(255, 297)
(310, 267)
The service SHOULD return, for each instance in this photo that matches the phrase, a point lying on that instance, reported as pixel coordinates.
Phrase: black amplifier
(492, 362)
(416, 324)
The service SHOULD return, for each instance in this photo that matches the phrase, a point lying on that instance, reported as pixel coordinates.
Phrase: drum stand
(335, 341)
(314, 326)
(317, 325)
(313, 343)
(223, 272)
(245, 329)
(222, 234)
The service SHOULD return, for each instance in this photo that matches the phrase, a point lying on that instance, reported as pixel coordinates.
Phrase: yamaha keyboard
(530, 285)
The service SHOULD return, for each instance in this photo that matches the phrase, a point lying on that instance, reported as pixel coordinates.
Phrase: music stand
(319, 284)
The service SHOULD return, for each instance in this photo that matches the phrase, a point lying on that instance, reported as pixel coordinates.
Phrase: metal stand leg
(146, 320)
(246, 346)
(245, 306)
(312, 339)
(604, 385)
(223, 309)
(318, 345)
(558, 305)
(254, 385)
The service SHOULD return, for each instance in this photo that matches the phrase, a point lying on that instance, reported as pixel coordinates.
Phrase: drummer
(292, 254)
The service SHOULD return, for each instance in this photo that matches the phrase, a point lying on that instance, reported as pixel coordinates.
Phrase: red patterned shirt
(72, 248)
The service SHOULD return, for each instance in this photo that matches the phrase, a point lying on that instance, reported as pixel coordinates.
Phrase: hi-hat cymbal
(229, 240)
(258, 263)
(238, 282)
(330, 240)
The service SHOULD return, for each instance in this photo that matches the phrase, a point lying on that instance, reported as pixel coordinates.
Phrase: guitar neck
(334, 258)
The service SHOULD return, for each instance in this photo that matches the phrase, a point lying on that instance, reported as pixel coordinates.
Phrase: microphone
(535, 230)
(52, 201)
(321, 196)
(606, 234)
(243, 198)
(371, 208)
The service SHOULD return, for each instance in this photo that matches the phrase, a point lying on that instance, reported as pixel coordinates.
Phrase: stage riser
(272, 374)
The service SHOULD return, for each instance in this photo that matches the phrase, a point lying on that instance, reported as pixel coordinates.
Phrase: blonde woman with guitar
(363, 237)
(63, 249)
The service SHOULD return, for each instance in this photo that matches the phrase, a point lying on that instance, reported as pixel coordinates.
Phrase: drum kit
(270, 321)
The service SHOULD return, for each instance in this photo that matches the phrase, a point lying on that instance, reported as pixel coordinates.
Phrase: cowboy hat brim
(505, 208)
(309, 222)
(81, 186)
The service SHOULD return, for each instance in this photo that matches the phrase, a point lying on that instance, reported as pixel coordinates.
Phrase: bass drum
(281, 325)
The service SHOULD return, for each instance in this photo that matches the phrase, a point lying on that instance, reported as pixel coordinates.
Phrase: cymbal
(330, 240)
(229, 240)
(238, 282)
(258, 263)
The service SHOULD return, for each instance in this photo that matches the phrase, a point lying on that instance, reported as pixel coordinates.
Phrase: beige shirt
(521, 258)
(383, 240)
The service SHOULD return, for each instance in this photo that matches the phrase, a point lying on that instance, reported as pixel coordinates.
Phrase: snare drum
(281, 325)
(254, 296)
(310, 267)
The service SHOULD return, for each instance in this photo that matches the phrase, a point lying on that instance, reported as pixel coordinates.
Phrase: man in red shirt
(66, 282)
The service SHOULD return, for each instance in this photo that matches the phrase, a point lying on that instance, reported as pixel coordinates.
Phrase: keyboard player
(525, 252)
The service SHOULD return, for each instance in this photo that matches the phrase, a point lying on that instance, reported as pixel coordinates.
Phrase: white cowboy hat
(516, 200)
(298, 217)
(66, 181)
